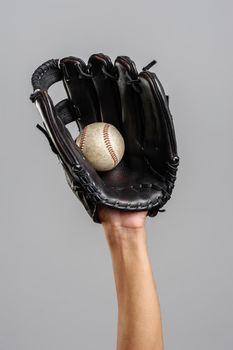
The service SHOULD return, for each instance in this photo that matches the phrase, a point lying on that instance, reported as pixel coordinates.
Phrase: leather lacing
(95, 194)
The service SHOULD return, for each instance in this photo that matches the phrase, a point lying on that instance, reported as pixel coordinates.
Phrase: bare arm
(139, 322)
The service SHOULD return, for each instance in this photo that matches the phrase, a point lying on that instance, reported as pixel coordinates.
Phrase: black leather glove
(136, 105)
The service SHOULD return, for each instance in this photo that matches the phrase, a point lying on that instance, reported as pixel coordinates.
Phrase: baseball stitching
(108, 144)
(82, 138)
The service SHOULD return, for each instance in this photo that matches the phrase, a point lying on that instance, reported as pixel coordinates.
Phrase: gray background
(56, 283)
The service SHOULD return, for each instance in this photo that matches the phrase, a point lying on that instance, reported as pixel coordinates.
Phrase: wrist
(125, 236)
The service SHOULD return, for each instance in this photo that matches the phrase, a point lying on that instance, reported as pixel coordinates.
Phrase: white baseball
(102, 144)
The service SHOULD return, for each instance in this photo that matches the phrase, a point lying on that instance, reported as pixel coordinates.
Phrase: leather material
(136, 104)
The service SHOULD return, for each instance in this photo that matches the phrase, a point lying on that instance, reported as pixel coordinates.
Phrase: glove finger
(132, 121)
(105, 82)
(80, 90)
(159, 137)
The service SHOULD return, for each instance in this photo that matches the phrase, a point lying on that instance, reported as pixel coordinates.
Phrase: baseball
(102, 145)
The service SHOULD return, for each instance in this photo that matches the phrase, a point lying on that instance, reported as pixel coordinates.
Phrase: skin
(139, 320)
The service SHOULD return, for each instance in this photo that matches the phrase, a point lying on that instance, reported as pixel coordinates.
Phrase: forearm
(139, 322)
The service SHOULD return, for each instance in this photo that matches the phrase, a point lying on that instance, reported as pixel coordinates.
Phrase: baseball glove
(136, 104)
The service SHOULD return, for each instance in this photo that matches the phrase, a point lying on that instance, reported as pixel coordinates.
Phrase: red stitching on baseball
(108, 144)
(82, 138)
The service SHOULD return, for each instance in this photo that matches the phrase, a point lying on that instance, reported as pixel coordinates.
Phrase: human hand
(123, 226)
(117, 218)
